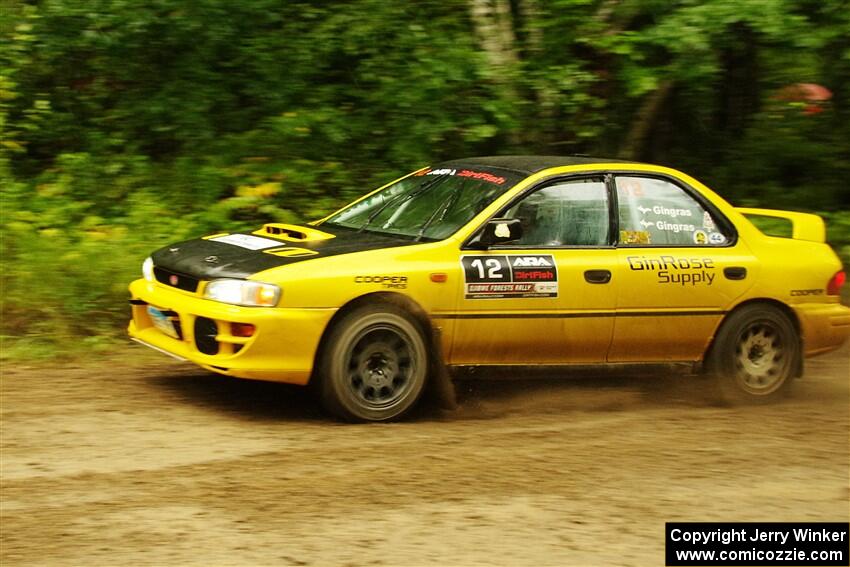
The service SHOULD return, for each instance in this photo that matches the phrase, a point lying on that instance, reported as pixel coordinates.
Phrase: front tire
(755, 355)
(374, 364)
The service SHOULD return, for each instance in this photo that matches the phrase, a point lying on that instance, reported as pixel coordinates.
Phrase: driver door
(548, 297)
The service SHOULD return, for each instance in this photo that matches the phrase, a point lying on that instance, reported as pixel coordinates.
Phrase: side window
(569, 213)
(656, 212)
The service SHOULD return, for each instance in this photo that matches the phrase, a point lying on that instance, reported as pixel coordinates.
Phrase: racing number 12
(495, 267)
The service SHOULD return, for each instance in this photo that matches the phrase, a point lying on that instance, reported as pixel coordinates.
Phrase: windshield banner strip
(482, 175)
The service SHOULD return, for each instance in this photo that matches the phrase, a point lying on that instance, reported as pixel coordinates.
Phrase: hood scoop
(293, 233)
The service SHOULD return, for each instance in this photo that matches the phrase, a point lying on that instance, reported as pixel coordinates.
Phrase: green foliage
(838, 234)
(128, 125)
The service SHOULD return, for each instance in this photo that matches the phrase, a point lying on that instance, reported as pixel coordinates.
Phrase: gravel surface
(142, 461)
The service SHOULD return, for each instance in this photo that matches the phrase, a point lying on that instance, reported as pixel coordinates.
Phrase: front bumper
(825, 326)
(282, 348)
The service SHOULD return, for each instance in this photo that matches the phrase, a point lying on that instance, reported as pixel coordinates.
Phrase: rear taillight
(835, 284)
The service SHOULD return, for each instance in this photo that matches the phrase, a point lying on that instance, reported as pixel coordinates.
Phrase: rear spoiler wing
(805, 226)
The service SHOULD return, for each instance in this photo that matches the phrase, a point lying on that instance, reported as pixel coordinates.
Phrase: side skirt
(512, 372)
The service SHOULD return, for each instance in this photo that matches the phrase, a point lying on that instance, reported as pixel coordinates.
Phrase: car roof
(529, 164)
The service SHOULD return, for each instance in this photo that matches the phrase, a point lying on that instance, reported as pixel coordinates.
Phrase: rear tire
(374, 364)
(755, 355)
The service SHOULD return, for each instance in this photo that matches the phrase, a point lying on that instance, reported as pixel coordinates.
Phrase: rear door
(679, 267)
(547, 298)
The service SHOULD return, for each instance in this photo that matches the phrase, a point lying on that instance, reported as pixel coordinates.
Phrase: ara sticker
(716, 238)
(246, 241)
(707, 221)
(524, 276)
(700, 237)
(444, 171)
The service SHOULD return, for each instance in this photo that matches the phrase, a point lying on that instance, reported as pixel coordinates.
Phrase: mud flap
(440, 386)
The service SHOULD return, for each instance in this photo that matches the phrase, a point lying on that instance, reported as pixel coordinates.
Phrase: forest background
(129, 124)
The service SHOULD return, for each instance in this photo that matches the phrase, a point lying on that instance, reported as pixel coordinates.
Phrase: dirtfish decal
(482, 175)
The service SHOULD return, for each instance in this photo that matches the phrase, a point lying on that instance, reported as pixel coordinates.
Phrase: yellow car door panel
(537, 315)
(680, 267)
(547, 297)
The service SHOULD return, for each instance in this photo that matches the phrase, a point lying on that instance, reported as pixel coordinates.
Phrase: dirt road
(157, 463)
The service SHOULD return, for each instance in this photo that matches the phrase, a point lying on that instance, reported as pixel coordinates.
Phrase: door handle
(597, 276)
(735, 273)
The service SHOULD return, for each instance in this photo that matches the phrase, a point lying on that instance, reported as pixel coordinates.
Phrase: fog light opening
(242, 329)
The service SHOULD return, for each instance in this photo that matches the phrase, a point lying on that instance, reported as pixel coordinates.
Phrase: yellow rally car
(497, 261)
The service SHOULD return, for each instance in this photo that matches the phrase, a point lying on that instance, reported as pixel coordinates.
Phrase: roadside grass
(17, 352)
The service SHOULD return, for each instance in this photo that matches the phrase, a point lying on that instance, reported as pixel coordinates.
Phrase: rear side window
(656, 212)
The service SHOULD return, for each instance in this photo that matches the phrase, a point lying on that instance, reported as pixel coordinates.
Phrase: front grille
(180, 281)
(205, 333)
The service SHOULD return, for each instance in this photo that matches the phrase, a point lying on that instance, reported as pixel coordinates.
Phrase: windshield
(431, 204)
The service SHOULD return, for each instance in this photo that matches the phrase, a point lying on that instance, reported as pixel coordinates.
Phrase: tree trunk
(494, 28)
(644, 119)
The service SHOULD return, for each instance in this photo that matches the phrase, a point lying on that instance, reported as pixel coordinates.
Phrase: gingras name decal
(493, 277)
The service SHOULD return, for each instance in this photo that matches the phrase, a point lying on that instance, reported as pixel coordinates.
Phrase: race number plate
(521, 275)
(162, 322)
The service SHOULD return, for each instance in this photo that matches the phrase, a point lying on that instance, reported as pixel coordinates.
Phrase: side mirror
(498, 231)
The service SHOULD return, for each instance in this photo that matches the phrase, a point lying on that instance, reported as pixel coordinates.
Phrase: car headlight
(243, 292)
(147, 269)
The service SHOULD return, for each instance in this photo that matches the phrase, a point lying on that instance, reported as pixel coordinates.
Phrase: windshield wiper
(404, 199)
(441, 210)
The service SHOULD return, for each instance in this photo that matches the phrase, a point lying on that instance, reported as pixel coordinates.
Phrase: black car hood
(206, 259)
